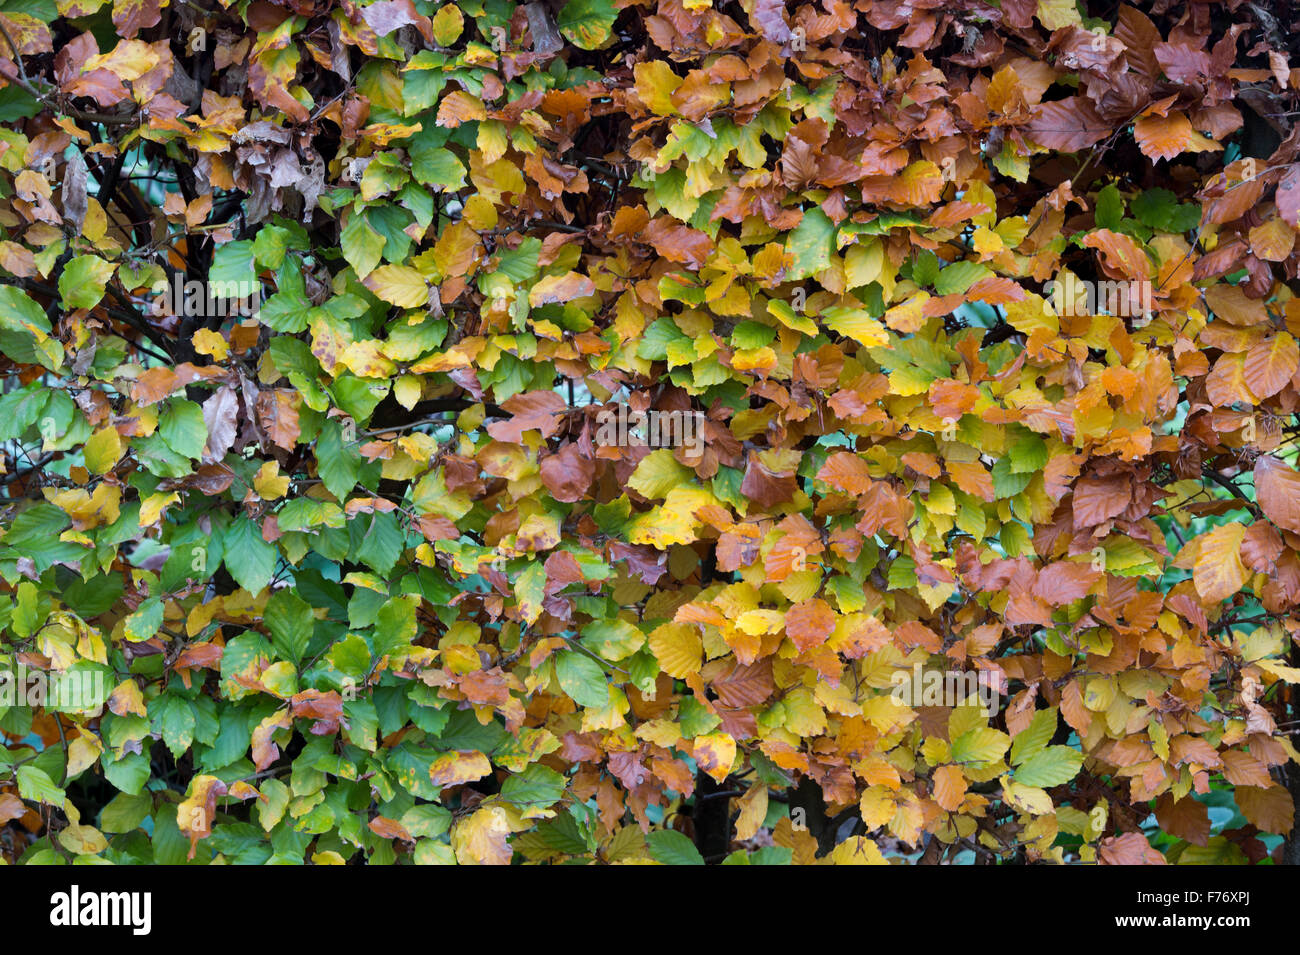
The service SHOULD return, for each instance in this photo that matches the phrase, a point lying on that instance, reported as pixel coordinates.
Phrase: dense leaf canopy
(331, 332)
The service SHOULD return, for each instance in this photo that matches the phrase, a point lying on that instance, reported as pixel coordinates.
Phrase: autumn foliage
(313, 315)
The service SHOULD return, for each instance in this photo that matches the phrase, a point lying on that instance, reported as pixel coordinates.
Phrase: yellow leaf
(673, 522)
(269, 483)
(753, 810)
(877, 806)
(127, 698)
(407, 390)
(657, 474)
(857, 850)
(154, 506)
(448, 23)
(678, 648)
(83, 752)
(857, 324)
(211, 343)
(908, 316)
(1028, 799)
(1219, 572)
(655, 84)
(481, 839)
(102, 450)
(715, 753)
(83, 840)
(456, 768)
(1280, 670)
(1055, 14)
(399, 285)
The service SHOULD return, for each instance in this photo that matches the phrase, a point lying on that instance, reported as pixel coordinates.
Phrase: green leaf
(395, 625)
(125, 812)
(1006, 481)
(291, 622)
(16, 103)
(433, 165)
(980, 745)
(19, 313)
(427, 821)
(671, 847)
(270, 245)
(810, 245)
(233, 274)
(338, 464)
(1160, 209)
(362, 246)
(288, 311)
(382, 544)
(231, 743)
(960, 276)
(537, 787)
(84, 280)
(582, 679)
(36, 785)
(1052, 766)
(1028, 453)
(1035, 736)
(182, 427)
(249, 558)
(749, 335)
(351, 657)
(612, 639)
(20, 408)
(1110, 207)
(128, 774)
(358, 396)
(587, 23)
(178, 725)
(925, 268)
(144, 622)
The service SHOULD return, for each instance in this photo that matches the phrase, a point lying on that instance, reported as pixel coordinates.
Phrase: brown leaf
(846, 472)
(1185, 818)
(1242, 769)
(1270, 809)
(386, 16)
(567, 474)
(1131, 848)
(1277, 489)
(11, 807)
(220, 415)
(1065, 582)
(769, 17)
(1270, 364)
(154, 385)
(277, 412)
(1068, 125)
(809, 622)
(1097, 500)
(677, 242)
(530, 411)
(390, 829)
(766, 488)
